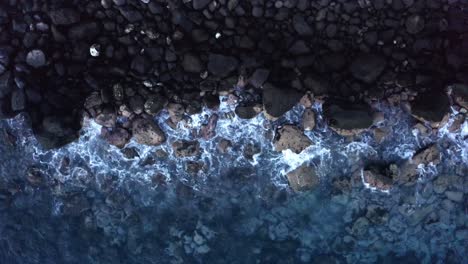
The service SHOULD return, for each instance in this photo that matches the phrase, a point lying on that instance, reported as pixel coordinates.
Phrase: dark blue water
(87, 203)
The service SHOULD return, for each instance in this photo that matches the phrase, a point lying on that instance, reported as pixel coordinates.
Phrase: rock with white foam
(186, 148)
(303, 178)
(346, 118)
(291, 137)
(308, 119)
(459, 93)
(118, 137)
(409, 170)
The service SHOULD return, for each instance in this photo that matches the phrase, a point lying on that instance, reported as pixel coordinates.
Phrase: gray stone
(64, 16)
(454, 196)
(200, 4)
(414, 24)
(221, 65)
(191, 63)
(36, 58)
(301, 26)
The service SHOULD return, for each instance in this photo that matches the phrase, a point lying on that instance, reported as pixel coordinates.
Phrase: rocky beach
(231, 131)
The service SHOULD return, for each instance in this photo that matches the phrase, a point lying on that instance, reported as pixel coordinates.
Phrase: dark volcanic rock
(348, 118)
(221, 65)
(64, 16)
(414, 24)
(200, 4)
(191, 63)
(6, 84)
(459, 93)
(55, 132)
(367, 67)
(301, 26)
(248, 111)
(278, 101)
(185, 148)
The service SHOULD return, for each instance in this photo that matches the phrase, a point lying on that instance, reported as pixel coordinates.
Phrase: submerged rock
(185, 148)
(147, 132)
(303, 178)
(291, 137)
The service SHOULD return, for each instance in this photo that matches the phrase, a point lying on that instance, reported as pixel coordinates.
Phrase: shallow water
(104, 207)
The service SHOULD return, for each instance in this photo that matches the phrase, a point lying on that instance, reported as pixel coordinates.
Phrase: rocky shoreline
(122, 62)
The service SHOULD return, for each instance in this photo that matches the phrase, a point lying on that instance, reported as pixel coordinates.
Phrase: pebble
(36, 58)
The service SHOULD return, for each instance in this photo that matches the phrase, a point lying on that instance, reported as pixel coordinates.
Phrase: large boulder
(348, 119)
(291, 137)
(431, 106)
(147, 132)
(367, 67)
(186, 148)
(278, 101)
(303, 178)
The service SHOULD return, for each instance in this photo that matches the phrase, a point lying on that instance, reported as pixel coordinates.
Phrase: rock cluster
(60, 60)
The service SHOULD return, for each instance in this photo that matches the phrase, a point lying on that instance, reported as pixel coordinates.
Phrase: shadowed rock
(278, 101)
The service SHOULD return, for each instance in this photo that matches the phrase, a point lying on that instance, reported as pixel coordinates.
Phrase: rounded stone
(36, 58)
(414, 24)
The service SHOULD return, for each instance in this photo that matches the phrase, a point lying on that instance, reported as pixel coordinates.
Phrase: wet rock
(360, 227)
(118, 137)
(307, 100)
(34, 176)
(420, 214)
(278, 101)
(130, 152)
(154, 104)
(457, 123)
(176, 112)
(377, 180)
(291, 137)
(208, 131)
(248, 111)
(140, 64)
(185, 148)
(250, 150)
(381, 134)
(409, 170)
(200, 4)
(64, 16)
(308, 119)
(431, 107)
(36, 58)
(106, 119)
(346, 118)
(147, 132)
(367, 67)
(193, 167)
(459, 93)
(224, 145)
(414, 24)
(55, 131)
(454, 196)
(18, 100)
(221, 65)
(303, 178)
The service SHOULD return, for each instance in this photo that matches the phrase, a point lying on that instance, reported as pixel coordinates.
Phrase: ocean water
(89, 202)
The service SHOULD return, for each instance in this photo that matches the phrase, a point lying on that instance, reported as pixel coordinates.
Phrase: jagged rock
(459, 93)
(224, 145)
(36, 58)
(308, 119)
(248, 111)
(208, 131)
(348, 119)
(367, 67)
(221, 65)
(185, 148)
(377, 180)
(278, 101)
(291, 137)
(64, 16)
(176, 112)
(118, 137)
(147, 132)
(432, 107)
(303, 178)
(409, 170)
